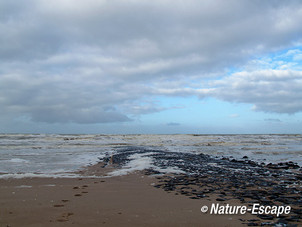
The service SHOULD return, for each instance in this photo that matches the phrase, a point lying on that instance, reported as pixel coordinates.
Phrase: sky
(160, 66)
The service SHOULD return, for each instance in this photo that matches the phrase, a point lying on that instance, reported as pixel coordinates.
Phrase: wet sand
(149, 198)
(130, 200)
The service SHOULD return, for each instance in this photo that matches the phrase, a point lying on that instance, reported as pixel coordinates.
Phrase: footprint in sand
(58, 205)
(83, 192)
(64, 217)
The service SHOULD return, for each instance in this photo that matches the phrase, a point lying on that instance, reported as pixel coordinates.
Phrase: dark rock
(266, 224)
(253, 220)
(265, 216)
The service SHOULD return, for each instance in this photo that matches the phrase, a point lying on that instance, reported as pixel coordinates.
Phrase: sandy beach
(146, 186)
(118, 201)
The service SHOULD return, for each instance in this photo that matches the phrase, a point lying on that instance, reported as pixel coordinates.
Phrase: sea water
(28, 155)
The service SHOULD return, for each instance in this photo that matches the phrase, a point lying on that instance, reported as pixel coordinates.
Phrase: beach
(142, 198)
(152, 181)
(118, 201)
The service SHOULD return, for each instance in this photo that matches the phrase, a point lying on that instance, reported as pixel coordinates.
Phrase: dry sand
(118, 201)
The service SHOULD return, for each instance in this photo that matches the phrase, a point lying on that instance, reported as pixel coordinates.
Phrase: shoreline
(149, 197)
(137, 199)
(130, 200)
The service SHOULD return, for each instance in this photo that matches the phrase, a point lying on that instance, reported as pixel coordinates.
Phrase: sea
(57, 155)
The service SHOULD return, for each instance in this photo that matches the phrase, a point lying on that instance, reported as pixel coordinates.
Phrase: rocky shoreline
(226, 178)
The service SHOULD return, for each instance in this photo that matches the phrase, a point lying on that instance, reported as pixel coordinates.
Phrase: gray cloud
(80, 115)
(173, 124)
(101, 61)
(274, 120)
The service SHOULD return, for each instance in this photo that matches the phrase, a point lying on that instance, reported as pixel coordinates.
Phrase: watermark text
(255, 209)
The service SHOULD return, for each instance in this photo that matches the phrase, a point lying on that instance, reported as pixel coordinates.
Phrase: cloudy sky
(141, 66)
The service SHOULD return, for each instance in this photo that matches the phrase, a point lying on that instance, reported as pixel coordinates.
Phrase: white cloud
(269, 90)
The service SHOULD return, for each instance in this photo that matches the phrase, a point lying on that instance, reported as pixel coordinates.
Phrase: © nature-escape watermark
(256, 208)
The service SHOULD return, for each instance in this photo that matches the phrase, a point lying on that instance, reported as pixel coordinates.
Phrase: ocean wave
(46, 153)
